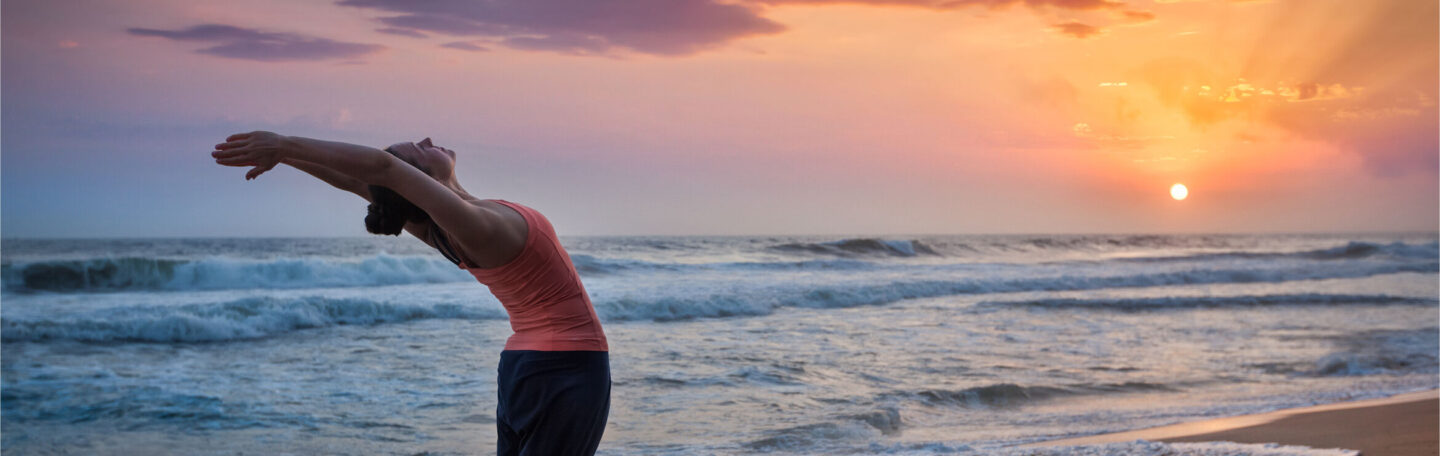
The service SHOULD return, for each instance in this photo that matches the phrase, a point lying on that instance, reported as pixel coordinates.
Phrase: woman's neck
(454, 186)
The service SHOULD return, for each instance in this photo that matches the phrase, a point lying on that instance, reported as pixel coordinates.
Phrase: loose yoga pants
(552, 402)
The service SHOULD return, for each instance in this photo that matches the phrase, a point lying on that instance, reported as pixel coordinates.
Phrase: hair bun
(389, 212)
(378, 221)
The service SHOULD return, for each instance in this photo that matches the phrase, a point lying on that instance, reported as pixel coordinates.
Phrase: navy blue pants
(552, 402)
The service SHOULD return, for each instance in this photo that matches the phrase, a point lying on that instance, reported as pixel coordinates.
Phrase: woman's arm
(330, 176)
(263, 150)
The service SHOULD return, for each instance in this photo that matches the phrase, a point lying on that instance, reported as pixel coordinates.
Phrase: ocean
(719, 345)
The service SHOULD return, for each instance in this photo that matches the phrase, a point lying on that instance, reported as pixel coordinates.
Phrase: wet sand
(1401, 425)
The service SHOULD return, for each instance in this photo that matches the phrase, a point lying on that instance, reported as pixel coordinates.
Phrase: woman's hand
(261, 149)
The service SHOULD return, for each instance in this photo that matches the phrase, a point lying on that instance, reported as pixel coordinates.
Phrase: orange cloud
(1138, 16)
(1077, 29)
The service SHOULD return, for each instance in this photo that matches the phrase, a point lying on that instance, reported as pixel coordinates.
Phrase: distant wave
(588, 265)
(1063, 242)
(854, 254)
(220, 273)
(595, 266)
(766, 301)
(1186, 302)
(1368, 249)
(249, 318)
(860, 247)
(1082, 243)
(1349, 251)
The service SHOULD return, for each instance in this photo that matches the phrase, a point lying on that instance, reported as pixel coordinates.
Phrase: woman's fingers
(236, 151)
(228, 153)
(258, 170)
(242, 160)
(231, 144)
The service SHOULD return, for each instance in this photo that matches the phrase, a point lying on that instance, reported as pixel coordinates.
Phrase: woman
(554, 374)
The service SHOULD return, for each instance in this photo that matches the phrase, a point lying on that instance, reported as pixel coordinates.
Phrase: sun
(1179, 192)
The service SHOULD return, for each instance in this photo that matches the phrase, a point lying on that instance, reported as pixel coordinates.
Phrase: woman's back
(540, 289)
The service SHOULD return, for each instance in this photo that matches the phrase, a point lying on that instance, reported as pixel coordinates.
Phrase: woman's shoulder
(522, 212)
(509, 234)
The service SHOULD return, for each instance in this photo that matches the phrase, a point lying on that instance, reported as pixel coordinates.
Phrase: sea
(956, 344)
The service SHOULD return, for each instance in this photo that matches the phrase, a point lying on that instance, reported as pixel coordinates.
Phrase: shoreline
(1404, 424)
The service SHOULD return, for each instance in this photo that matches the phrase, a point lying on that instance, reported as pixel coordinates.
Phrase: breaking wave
(220, 273)
(250, 318)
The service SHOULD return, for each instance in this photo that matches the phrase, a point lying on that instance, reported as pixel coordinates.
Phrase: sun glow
(1179, 192)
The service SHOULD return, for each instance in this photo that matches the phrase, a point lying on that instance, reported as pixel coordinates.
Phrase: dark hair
(389, 212)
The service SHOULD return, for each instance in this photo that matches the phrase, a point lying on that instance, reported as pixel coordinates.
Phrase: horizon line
(1435, 232)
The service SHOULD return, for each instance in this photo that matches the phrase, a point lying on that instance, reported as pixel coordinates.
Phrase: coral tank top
(549, 309)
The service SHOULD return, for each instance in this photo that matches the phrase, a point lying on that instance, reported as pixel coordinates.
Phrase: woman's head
(435, 161)
(388, 211)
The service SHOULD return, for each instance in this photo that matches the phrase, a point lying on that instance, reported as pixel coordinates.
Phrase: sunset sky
(735, 116)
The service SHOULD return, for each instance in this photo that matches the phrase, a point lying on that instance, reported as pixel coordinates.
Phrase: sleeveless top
(548, 306)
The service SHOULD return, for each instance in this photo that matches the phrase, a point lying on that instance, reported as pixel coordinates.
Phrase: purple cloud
(465, 46)
(657, 27)
(589, 27)
(247, 44)
(402, 32)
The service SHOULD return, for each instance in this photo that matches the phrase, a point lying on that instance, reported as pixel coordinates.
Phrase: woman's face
(436, 161)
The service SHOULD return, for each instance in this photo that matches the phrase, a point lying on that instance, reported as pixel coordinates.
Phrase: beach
(1401, 425)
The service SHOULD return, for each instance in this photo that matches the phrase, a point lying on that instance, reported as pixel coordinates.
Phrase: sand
(1402, 425)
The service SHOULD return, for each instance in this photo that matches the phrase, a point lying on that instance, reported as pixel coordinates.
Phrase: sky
(735, 117)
